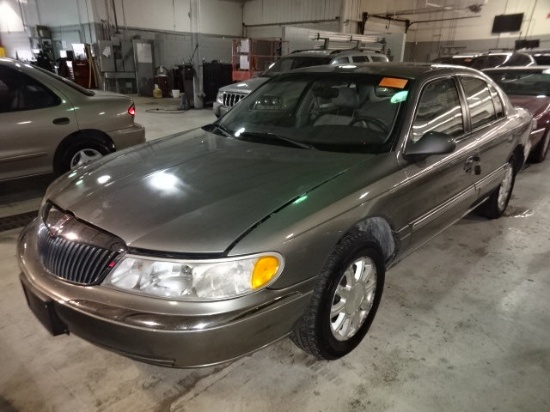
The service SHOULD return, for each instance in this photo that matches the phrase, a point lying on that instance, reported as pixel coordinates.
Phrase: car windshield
(288, 63)
(532, 83)
(326, 111)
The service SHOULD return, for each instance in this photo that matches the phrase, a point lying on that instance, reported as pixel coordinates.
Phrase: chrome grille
(231, 99)
(75, 251)
(72, 261)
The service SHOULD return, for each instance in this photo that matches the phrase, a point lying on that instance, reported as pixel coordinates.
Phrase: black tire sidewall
(540, 154)
(331, 347)
(509, 194)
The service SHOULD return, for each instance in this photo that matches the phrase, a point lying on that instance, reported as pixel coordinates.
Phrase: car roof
(331, 53)
(528, 69)
(404, 70)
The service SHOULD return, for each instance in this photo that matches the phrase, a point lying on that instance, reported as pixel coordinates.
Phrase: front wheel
(344, 301)
(497, 203)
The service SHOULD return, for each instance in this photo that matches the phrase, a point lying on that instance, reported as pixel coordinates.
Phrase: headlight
(219, 97)
(193, 279)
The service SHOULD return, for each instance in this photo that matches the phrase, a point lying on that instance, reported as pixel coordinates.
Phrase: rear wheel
(344, 301)
(497, 203)
(540, 152)
(80, 153)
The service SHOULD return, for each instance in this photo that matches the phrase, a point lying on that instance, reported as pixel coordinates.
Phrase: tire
(328, 335)
(497, 202)
(539, 154)
(82, 152)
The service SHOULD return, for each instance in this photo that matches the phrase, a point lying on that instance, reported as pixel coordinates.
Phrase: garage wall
(428, 40)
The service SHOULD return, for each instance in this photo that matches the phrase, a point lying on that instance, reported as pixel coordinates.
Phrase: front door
(440, 188)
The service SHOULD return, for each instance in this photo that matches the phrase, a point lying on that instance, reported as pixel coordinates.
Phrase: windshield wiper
(216, 126)
(274, 136)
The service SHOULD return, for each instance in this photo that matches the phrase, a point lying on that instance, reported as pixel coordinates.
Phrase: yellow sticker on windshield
(393, 82)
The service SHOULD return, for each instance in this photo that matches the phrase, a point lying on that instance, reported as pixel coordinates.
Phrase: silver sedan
(50, 124)
(280, 219)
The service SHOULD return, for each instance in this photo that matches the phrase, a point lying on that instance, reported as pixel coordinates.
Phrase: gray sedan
(49, 123)
(280, 219)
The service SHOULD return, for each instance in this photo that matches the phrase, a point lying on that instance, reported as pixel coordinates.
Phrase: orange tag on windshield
(393, 82)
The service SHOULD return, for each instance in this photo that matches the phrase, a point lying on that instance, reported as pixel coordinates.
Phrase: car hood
(246, 86)
(535, 105)
(193, 193)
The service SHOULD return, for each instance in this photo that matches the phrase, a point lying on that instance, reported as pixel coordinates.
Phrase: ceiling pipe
(288, 23)
(437, 20)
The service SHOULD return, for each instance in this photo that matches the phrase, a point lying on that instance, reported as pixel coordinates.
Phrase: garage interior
(464, 321)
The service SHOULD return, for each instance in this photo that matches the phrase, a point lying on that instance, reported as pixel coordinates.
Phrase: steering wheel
(370, 120)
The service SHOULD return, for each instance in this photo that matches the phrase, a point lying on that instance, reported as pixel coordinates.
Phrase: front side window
(341, 60)
(20, 92)
(341, 112)
(439, 110)
(480, 101)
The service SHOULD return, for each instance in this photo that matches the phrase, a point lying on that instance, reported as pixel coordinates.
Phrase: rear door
(492, 130)
(33, 121)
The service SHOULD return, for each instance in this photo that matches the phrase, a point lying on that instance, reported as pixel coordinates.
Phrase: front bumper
(219, 109)
(160, 331)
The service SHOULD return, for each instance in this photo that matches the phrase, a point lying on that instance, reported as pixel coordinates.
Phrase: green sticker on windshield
(399, 97)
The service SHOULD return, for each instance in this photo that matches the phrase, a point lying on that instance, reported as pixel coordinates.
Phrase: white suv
(228, 96)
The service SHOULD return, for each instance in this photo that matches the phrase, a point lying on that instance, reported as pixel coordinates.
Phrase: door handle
(468, 164)
(472, 162)
(61, 120)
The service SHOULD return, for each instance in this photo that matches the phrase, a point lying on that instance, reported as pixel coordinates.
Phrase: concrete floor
(464, 325)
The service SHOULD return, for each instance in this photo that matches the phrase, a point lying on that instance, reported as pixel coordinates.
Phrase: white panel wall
(217, 16)
(288, 11)
(62, 12)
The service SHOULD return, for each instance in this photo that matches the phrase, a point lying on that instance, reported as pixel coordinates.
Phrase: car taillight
(132, 110)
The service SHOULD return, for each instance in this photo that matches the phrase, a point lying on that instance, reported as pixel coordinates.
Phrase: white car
(228, 96)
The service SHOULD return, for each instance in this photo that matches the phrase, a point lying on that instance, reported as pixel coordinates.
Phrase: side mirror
(431, 143)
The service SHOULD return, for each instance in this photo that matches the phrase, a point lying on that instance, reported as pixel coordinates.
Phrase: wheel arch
(71, 139)
(381, 230)
(519, 157)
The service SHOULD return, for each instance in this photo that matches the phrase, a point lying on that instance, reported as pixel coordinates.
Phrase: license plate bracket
(43, 308)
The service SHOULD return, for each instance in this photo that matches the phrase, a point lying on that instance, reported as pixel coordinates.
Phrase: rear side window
(439, 110)
(379, 58)
(518, 60)
(21, 92)
(497, 101)
(360, 59)
(480, 101)
(542, 59)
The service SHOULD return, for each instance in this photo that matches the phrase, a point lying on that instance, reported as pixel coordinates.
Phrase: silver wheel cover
(545, 143)
(84, 156)
(353, 298)
(505, 187)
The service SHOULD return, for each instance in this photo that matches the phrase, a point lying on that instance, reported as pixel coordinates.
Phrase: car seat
(345, 103)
